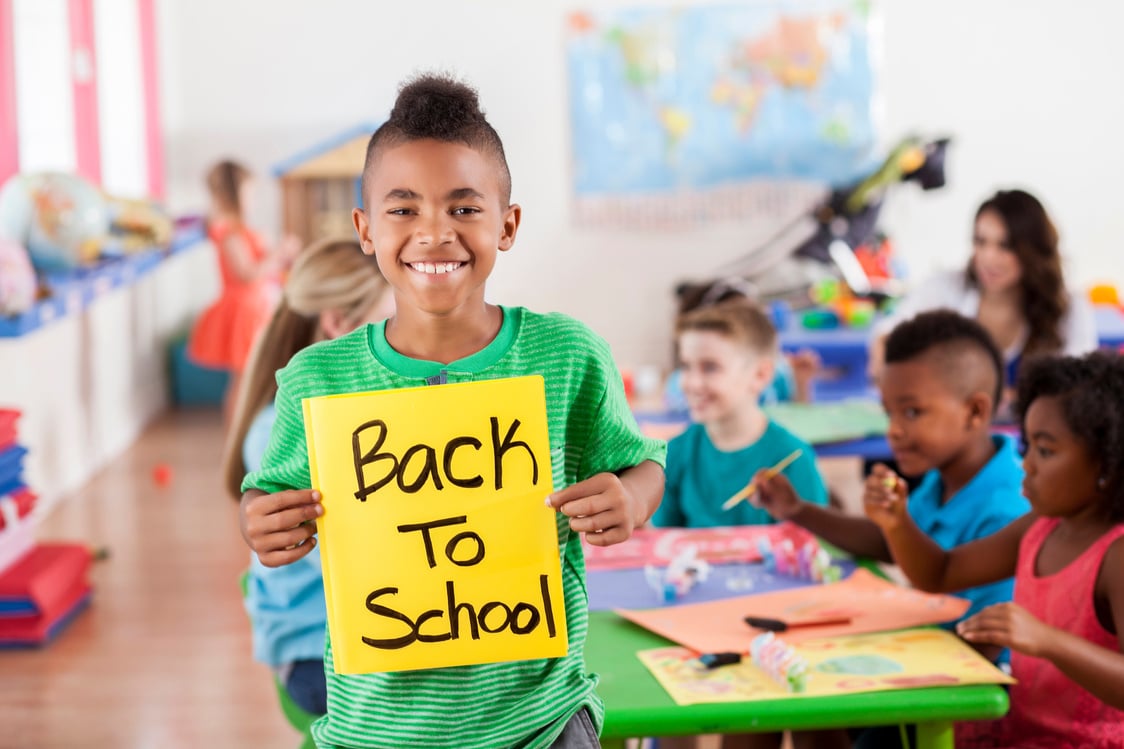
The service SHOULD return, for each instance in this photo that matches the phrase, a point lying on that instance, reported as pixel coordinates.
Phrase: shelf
(73, 292)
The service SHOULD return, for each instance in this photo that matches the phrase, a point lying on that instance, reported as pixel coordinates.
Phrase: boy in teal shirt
(727, 355)
(437, 196)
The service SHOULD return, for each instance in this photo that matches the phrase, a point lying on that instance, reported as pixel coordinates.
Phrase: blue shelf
(73, 292)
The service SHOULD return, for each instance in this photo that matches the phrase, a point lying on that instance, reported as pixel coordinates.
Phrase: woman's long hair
(1034, 240)
(330, 275)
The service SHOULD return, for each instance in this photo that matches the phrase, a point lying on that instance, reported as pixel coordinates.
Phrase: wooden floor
(161, 659)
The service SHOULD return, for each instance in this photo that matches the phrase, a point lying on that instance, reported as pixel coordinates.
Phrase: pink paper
(658, 546)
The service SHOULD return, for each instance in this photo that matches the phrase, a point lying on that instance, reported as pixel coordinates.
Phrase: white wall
(1023, 86)
(44, 85)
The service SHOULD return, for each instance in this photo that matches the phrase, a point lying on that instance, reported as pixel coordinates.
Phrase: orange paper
(873, 604)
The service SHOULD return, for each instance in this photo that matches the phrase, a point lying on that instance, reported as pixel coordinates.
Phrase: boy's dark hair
(439, 107)
(950, 334)
(740, 320)
(1091, 391)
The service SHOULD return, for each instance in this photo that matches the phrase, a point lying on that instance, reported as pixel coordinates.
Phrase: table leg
(935, 735)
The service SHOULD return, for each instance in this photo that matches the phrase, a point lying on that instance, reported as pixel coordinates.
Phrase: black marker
(715, 660)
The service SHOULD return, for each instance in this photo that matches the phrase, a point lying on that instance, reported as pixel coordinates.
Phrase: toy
(806, 561)
(780, 661)
(136, 225)
(1104, 295)
(162, 475)
(839, 236)
(835, 298)
(60, 218)
(18, 284)
(685, 570)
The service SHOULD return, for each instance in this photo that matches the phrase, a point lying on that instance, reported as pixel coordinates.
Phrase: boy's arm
(607, 506)
(855, 535)
(279, 527)
(927, 565)
(1097, 669)
(277, 512)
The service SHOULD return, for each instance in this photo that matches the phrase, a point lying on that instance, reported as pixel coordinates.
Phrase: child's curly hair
(439, 107)
(1091, 391)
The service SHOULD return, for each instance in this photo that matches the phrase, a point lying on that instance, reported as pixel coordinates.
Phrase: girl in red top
(1065, 627)
(225, 332)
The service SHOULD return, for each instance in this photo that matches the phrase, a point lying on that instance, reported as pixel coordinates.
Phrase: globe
(61, 219)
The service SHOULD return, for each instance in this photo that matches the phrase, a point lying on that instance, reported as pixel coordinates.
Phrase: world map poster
(700, 112)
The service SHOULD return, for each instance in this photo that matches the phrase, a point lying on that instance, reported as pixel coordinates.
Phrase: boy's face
(719, 375)
(1061, 475)
(930, 422)
(434, 222)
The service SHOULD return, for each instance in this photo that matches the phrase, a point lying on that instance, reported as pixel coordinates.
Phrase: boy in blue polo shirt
(942, 380)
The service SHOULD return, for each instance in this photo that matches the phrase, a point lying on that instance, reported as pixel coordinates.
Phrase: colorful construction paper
(906, 659)
(437, 546)
(873, 605)
(630, 589)
(658, 546)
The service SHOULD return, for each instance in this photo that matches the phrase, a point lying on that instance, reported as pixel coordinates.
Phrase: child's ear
(981, 409)
(511, 218)
(765, 369)
(363, 229)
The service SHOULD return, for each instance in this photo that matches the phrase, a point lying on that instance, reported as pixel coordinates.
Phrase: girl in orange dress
(225, 332)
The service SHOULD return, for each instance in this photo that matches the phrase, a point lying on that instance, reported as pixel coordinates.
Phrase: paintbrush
(751, 487)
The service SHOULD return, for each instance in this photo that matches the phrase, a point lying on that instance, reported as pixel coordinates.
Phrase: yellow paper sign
(437, 547)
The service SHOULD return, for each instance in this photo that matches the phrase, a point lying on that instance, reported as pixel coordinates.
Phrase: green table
(636, 704)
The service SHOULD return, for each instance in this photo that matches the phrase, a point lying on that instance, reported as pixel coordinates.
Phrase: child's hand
(775, 495)
(805, 365)
(600, 507)
(279, 527)
(289, 248)
(884, 498)
(1007, 625)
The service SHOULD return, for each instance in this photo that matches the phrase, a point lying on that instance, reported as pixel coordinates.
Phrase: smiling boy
(437, 194)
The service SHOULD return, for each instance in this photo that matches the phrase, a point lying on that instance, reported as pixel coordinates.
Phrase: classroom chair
(296, 715)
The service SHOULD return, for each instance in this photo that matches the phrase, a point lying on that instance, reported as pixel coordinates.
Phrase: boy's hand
(1007, 625)
(280, 527)
(775, 495)
(884, 498)
(600, 507)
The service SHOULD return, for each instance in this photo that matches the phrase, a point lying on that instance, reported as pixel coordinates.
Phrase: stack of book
(42, 593)
(16, 499)
(42, 587)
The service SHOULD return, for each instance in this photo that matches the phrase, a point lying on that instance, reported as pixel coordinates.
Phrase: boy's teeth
(435, 267)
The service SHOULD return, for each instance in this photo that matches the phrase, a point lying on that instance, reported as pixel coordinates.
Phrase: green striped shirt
(516, 704)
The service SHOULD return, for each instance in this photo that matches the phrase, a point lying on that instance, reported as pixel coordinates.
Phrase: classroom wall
(1023, 87)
